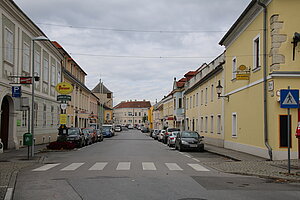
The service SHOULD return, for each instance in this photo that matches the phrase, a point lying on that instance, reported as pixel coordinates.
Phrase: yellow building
(150, 117)
(168, 111)
(259, 51)
(204, 111)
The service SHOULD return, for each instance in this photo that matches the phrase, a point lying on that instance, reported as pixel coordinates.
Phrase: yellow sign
(63, 118)
(242, 67)
(242, 76)
(64, 88)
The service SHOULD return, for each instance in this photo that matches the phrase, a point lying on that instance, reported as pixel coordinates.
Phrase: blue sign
(16, 91)
(289, 98)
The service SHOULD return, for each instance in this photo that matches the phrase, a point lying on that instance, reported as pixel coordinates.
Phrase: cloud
(79, 27)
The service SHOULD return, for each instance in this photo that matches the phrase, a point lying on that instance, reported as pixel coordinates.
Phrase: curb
(11, 186)
(220, 154)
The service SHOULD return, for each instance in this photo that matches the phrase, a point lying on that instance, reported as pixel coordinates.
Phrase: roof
(133, 104)
(251, 4)
(98, 88)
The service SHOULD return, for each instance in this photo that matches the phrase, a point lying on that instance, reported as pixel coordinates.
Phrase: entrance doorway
(4, 122)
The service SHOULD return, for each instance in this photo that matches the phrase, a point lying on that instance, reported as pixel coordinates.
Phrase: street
(131, 165)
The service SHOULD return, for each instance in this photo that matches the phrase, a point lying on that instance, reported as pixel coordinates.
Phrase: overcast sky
(136, 47)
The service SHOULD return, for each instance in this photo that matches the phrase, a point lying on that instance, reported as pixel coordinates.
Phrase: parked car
(161, 135)
(172, 138)
(145, 129)
(99, 135)
(130, 126)
(107, 130)
(93, 134)
(168, 132)
(76, 136)
(189, 140)
(87, 136)
(155, 134)
(118, 128)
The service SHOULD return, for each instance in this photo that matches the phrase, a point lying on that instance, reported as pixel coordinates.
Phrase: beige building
(132, 112)
(16, 38)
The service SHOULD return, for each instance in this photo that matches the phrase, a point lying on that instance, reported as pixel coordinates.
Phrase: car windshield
(106, 128)
(85, 131)
(189, 135)
(72, 131)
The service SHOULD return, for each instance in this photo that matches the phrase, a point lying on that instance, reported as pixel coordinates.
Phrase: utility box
(27, 139)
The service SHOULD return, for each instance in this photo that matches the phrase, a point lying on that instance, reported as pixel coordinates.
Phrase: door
(283, 135)
(4, 122)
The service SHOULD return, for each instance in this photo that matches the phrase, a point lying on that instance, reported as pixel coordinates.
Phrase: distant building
(132, 112)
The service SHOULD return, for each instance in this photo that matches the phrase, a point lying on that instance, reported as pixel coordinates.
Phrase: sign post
(289, 99)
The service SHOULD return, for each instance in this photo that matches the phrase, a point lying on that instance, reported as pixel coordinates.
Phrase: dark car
(87, 136)
(189, 140)
(99, 135)
(145, 129)
(107, 131)
(168, 132)
(93, 134)
(76, 136)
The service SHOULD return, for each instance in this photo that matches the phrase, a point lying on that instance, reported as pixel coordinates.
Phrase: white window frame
(234, 64)
(9, 45)
(256, 52)
(26, 57)
(37, 63)
(46, 70)
(234, 125)
(187, 103)
(53, 73)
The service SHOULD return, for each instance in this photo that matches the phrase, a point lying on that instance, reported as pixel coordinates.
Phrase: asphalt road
(132, 166)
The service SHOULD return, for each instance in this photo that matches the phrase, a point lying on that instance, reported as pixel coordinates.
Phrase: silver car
(172, 138)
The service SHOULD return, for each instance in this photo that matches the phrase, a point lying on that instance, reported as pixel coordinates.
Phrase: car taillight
(171, 138)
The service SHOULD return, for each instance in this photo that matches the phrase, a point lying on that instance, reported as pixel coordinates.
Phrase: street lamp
(219, 91)
(39, 38)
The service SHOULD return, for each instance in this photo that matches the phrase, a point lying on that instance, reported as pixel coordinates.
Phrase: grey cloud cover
(129, 77)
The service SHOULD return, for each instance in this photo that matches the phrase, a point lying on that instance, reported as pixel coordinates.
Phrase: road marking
(123, 166)
(45, 167)
(196, 159)
(173, 167)
(72, 167)
(180, 152)
(198, 167)
(187, 155)
(9, 194)
(148, 166)
(98, 166)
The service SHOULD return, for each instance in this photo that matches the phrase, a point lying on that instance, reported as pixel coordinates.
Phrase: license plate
(193, 145)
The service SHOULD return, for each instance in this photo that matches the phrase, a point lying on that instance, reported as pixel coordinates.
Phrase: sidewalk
(11, 162)
(246, 164)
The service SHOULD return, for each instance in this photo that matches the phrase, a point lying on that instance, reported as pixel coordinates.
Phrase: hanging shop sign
(242, 73)
(64, 88)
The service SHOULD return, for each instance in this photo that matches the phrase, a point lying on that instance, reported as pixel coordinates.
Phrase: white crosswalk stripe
(72, 167)
(198, 167)
(148, 166)
(123, 166)
(98, 166)
(45, 167)
(173, 167)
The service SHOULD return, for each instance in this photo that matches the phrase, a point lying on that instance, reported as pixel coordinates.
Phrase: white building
(16, 34)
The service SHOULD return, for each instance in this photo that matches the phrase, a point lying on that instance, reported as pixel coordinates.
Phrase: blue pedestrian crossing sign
(289, 98)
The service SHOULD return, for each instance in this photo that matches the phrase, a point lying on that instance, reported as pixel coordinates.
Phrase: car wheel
(180, 148)
(201, 149)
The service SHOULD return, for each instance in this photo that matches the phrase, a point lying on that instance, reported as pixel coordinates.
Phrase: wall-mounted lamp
(295, 41)
(219, 91)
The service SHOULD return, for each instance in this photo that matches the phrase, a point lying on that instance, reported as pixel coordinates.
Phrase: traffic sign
(289, 98)
(63, 106)
(25, 80)
(63, 98)
(16, 91)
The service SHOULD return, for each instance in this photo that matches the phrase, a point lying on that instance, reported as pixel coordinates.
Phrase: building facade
(18, 32)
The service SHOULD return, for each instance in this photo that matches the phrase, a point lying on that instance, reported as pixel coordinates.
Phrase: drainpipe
(265, 79)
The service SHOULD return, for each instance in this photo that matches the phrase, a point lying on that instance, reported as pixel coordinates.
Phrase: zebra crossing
(122, 166)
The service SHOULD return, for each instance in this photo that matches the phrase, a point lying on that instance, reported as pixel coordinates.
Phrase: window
(130, 114)
(197, 99)
(191, 100)
(206, 97)
(175, 104)
(234, 68)
(206, 121)
(201, 124)
(135, 114)
(24, 118)
(58, 73)
(194, 101)
(26, 57)
(187, 103)
(212, 124)
(53, 73)
(36, 107)
(219, 124)
(37, 63)
(46, 71)
(180, 103)
(256, 52)
(139, 113)
(234, 125)
(45, 115)
(212, 93)
(197, 125)
(108, 95)
(52, 115)
(201, 97)
(9, 46)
